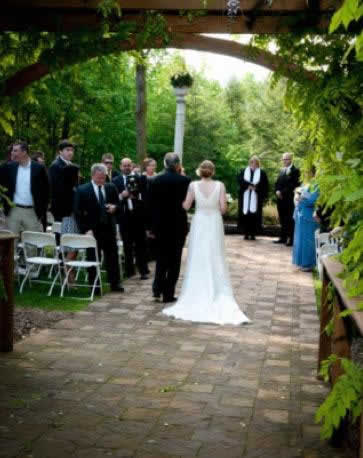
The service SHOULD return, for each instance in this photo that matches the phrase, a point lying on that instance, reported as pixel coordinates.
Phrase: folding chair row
(35, 242)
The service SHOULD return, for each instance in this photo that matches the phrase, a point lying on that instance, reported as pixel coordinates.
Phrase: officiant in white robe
(253, 184)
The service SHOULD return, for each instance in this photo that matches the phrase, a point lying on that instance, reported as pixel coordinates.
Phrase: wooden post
(340, 342)
(7, 301)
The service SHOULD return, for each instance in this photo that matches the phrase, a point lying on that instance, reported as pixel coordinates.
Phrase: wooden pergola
(186, 20)
(210, 16)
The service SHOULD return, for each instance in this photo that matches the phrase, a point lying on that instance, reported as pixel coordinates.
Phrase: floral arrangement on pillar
(180, 80)
(233, 6)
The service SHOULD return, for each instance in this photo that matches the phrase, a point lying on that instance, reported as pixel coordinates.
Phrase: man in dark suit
(287, 181)
(169, 225)
(108, 160)
(132, 218)
(27, 187)
(95, 205)
(62, 181)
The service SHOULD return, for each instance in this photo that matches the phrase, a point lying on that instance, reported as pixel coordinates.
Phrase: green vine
(345, 397)
(108, 7)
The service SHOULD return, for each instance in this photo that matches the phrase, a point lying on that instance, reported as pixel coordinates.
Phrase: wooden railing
(339, 342)
(7, 292)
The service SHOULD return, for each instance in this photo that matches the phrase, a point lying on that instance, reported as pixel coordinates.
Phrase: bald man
(287, 181)
(132, 219)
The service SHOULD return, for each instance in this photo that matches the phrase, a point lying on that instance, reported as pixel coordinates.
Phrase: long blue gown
(303, 253)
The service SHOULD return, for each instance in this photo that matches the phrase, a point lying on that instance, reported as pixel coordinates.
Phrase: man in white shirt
(27, 187)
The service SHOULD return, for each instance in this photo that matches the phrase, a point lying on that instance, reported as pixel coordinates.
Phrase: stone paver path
(122, 380)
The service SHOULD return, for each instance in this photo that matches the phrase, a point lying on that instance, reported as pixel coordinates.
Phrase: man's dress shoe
(170, 299)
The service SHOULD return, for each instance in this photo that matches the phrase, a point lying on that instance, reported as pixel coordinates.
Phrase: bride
(206, 294)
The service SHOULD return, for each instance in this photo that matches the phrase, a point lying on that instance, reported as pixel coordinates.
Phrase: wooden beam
(211, 5)
(35, 72)
(47, 21)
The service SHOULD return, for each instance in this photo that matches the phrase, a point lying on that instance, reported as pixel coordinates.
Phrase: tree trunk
(141, 109)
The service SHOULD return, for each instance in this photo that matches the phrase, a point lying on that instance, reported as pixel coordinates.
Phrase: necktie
(101, 201)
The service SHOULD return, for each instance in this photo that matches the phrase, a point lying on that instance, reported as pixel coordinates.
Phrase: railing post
(7, 299)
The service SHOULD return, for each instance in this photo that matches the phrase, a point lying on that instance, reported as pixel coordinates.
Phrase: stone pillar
(180, 93)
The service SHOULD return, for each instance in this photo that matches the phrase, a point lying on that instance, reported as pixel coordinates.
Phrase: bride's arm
(189, 198)
(223, 199)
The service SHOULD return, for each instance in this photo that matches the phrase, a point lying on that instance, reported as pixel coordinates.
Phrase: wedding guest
(132, 219)
(253, 185)
(64, 179)
(287, 181)
(27, 186)
(95, 206)
(169, 225)
(108, 161)
(149, 167)
(303, 253)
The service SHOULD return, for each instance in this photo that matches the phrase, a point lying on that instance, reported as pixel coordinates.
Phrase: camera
(132, 186)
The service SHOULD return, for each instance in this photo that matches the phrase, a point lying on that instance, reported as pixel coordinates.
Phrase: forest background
(93, 103)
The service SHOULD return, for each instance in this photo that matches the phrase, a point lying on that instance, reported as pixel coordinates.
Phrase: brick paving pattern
(122, 380)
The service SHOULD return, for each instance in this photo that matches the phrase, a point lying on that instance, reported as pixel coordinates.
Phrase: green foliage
(350, 11)
(107, 7)
(345, 397)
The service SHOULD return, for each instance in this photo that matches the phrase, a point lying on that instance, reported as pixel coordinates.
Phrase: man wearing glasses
(287, 181)
(108, 159)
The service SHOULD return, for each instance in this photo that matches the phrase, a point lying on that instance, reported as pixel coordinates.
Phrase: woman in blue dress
(303, 253)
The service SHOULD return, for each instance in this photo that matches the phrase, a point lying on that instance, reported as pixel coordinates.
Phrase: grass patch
(36, 296)
(317, 287)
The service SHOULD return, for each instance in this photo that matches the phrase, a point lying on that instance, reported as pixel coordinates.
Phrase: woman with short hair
(253, 184)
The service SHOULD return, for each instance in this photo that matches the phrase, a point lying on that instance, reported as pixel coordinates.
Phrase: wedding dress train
(206, 295)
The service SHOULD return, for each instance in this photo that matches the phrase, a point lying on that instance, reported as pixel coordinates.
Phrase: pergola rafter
(256, 16)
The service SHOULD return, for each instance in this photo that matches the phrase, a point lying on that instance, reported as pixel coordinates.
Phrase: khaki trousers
(23, 219)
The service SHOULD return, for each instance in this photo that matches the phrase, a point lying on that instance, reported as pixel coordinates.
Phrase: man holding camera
(132, 219)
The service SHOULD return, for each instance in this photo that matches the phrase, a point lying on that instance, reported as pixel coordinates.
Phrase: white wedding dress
(206, 295)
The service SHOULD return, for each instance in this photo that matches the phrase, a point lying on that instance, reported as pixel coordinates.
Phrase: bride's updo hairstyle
(206, 169)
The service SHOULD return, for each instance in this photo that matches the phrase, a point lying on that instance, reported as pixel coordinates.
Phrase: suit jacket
(167, 194)
(63, 180)
(87, 209)
(39, 186)
(114, 174)
(286, 183)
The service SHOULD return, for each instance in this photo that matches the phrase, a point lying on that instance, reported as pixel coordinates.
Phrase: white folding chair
(323, 238)
(80, 242)
(36, 242)
(325, 251)
(55, 229)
